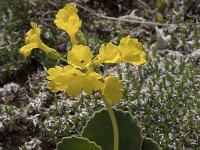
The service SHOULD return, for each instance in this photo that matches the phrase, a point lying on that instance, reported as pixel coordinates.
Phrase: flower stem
(63, 59)
(114, 125)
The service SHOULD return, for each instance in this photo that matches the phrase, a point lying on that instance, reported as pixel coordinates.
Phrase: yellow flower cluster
(129, 50)
(78, 75)
(73, 79)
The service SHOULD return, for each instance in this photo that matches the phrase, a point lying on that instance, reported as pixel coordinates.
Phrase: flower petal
(53, 86)
(54, 72)
(92, 82)
(112, 90)
(138, 59)
(26, 50)
(33, 35)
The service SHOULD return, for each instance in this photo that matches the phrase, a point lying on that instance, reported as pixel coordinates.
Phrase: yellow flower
(92, 82)
(80, 56)
(108, 53)
(112, 90)
(54, 72)
(131, 51)
(68, 20)
(66, 79)
(33, 40)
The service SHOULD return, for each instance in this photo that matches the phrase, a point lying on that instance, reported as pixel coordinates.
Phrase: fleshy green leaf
(149, 144)
(77, 143)
(99, 129)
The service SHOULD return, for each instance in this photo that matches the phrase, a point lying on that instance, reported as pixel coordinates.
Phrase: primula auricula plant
(79, 75)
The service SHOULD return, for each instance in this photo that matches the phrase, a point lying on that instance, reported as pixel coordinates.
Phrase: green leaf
(159, 18)
(149, 144)
(77, 143)
(161, 5)
(99, 129)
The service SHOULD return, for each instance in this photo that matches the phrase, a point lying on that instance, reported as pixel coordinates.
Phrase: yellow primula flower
(108, 53)
(54, 72)
(33, 40)
(80, 56)
(112, 90)
(131, 51)
(66, 79)
(73, 81)
(68, 20)
(92, 82)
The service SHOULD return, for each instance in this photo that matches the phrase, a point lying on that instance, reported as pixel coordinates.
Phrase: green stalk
(114, 125)
(63, 59)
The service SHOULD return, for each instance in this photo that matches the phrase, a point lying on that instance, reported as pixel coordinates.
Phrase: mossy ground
(163, 93)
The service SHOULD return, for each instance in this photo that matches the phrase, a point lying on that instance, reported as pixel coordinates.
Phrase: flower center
(75, 75)
(82, 61)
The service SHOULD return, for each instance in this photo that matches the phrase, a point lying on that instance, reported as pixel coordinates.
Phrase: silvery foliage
(9, 89)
